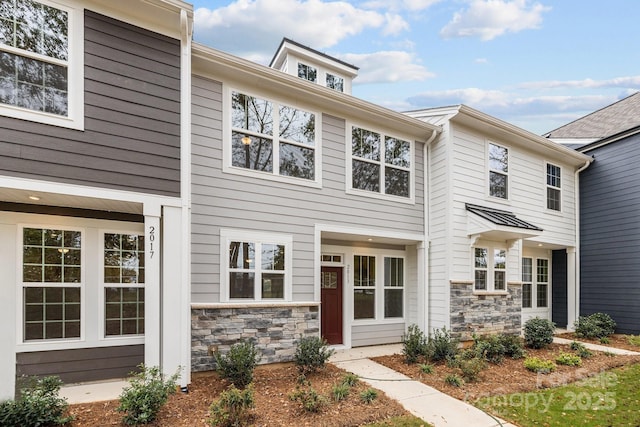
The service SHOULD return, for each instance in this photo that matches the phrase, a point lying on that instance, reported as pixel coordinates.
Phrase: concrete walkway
(597, 347)
(93, 392)
(424, 402)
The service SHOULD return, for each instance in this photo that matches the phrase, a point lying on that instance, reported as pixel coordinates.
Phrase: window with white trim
(374, 298)
(393, 287)
(535, 282)
(307, 72)
(52, 283)
(335, 82)
(380, 163)
(542, 282)
(255, 267)
(364, 287)
(490, 269)
(40, 62)
(498, 171)
(123, 284)
(527, 282)
(553, 187)
(272, 138)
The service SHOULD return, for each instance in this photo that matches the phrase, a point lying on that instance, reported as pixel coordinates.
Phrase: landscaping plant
(310, 400)
(369, 395)
(414, 344)
(340, 392)
(568, 359)
(441, 345)
(233, 408)
(146, 394)
(350, 379)
(634, 340)
(494, 348)
(38, 405)
(311, 354)
(595, 326)
(538, 333)
(426, 368)
(239, 363)
(454, 380)
(580, 350)
(538, 365)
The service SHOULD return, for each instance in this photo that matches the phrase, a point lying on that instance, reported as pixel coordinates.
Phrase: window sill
(380, 196)
(373, 322)
(234, 170)
(42, 117)
(490, 293)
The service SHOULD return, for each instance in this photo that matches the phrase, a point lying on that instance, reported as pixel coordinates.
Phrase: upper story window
(272, 138)
(490, 269)
(553, 187)
(307, 72)
(498, 171)
(39, 63)
(380, 163)
(335, 82)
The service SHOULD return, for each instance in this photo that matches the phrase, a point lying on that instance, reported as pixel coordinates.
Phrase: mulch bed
(615, 340)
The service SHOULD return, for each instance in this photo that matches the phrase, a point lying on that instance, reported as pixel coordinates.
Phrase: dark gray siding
(131, 139)
(610, 234)
(78, 365)
(559, 288)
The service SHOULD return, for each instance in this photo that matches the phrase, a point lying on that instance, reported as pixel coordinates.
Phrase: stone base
(274, 330)
(485, 314)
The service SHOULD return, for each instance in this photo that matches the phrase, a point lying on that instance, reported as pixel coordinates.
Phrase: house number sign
(152, 238)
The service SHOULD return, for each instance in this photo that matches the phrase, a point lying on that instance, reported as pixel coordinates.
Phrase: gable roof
(286, 43)
(605, 122)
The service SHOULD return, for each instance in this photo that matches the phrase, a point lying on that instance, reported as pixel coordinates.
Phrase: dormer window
(335, 82)
(307, 72)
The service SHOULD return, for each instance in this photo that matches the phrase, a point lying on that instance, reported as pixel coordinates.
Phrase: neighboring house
(93, 188)
(609, 209)
(501, 224)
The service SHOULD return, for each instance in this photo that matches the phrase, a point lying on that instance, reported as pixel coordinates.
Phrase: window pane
(498, 185)
(272, 257)
(307, 72)
(498, 158)
(481, 280)
(542, 295)
(499, 282)
(122, 258)
(329, 280)
(241, 285)
(364, 304)
(393, 302)
(393, 272)
(242, 255)
(365, 144)
(396, 182)
(500, 258)
(297, 125)
(553, 175)
(527, 270)
(553, 199)
(364, 270)
(543, 271)
(252, 114)
(366, 176)
(297, 161)
(258, 154)
(526, 295)
(397, 152)
(51, 313)
(335, 82)
(481, 257)
(272, 285)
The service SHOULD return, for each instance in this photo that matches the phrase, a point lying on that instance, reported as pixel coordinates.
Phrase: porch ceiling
(367, 238)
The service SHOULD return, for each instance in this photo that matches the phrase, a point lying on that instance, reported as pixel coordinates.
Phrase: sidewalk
(597, 347)
(423, 401)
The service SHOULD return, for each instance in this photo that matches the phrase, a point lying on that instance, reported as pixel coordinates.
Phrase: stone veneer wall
(490, 313)
(273, 328)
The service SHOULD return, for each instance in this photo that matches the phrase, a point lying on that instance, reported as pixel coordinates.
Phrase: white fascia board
(221, 66)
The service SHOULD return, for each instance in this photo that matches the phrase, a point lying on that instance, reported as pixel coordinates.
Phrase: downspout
(576, 303)
(427, 205)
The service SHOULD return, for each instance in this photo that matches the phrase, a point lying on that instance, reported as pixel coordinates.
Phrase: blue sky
(536, 64)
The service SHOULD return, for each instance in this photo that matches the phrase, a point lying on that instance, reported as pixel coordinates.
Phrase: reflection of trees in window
(335, 82)
(254, 137)
(307, 72)
(498, 171)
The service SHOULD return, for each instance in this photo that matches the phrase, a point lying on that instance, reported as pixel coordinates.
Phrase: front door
(331, 307)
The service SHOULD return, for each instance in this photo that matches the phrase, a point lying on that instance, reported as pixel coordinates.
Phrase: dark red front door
(331, 308)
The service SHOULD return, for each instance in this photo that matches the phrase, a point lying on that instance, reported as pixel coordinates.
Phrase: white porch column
(8, 318)
(573, 292)
(152, 285)
(423, 289)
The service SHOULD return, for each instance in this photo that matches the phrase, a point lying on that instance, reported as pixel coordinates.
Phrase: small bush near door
(38, 405)
(238, 364)
(311, 354)
(145, 395)
(538, 333)
(597, 326)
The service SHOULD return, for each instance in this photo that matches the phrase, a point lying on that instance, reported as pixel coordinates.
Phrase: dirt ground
(272, 384)
(510, 376)
(615, 340)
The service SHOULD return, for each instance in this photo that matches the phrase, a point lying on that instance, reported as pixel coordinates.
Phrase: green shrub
(494, 348)
(634, 340)
(146, 394)
(538, 333)
(340, 391)
(441, 346)
(580, 350)
(414, 344)
(311, 354)
(369, 395)
(238, 364)
(596, 325)
(512, 345)
(454, 380)
(310, 400)
(604, 340)
(541, 366)
(426, 368)
(350, 379)
(38, 405)
(568, 359)
(471, 368)
(232, 408)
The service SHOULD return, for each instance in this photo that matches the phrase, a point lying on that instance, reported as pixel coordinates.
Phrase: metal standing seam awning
(496, 224)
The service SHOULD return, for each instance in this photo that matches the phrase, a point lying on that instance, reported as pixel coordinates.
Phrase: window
(331, 258)
(527, 282)
(542, 279)
(307, 72)
(553, 187)
(364, 284)
(38, 63)
(335, 82)
(123, 256)
(380, 163)
(257, 267)
(490, 269)
(51, 283)
(272, 138)
(393, 287)
(498, 171)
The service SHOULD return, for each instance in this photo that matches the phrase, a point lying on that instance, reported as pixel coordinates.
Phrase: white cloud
(254, 28)
(488, 19)
(481, 61)
(412, 5)
(386, 67)
(629, 82)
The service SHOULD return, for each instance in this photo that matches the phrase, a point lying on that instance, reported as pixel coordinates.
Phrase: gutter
(576, 302)
(426, 148)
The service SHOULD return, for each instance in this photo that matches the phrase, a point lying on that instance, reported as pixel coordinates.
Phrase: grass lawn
(608, 399)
